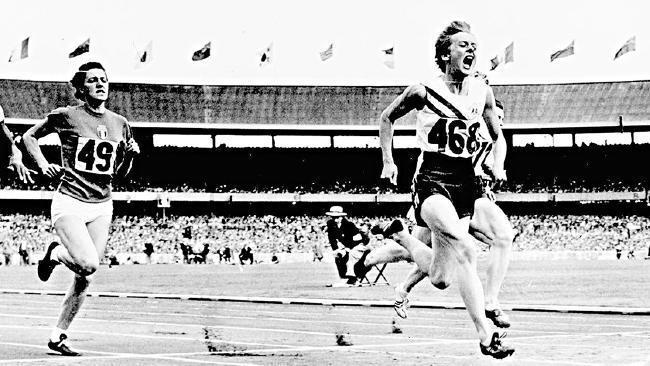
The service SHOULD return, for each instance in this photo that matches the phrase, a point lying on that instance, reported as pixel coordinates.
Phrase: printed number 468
(455, 135)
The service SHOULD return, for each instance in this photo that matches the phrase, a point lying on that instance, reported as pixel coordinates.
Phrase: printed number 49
(88, 154)
(453, 134)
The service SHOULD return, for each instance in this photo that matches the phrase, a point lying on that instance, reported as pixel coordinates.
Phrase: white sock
(55, 336)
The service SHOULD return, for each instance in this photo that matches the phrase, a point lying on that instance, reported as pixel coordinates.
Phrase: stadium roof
(579, 104)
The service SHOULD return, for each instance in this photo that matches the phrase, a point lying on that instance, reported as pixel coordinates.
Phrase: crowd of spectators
(581, 232)
(133, 235)
(344, 186)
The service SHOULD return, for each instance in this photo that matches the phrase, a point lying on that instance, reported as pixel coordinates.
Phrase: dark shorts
(452, 178)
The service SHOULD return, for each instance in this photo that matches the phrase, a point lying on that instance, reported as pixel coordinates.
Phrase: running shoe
(496, 348)
(389, 229)
(498, 317)
(61, 347)
(401, 304)
(46, 265)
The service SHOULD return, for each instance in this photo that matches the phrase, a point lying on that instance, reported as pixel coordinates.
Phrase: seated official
(348, 243)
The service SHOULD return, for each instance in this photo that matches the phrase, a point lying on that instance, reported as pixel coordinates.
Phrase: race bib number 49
(95, 156)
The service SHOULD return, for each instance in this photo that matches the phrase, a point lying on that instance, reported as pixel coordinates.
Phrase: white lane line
(192, 325)
(108, 355)
(288, 320)
(415, 314)
(145, 336)
(328, 334)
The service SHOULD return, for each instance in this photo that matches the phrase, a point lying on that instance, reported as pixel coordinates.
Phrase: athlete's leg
(78, 252)
(388, 253)
(491, 226)
(416, 275)
(457, 252)
(419, 252)
(86, 243)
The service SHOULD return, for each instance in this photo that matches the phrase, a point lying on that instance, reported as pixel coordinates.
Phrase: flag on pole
(266, 55)
(84, 47)
(203, 53)
(507, 56)
(389, 57)
(145, 56)
(24, 51)
(328, 53)
(565, 52)
(629, 46)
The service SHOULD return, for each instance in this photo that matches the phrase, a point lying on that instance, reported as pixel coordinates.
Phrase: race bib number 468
(454, 137)
(95, 156)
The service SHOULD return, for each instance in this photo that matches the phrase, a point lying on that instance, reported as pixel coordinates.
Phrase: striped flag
(629, 46)
(507, 56)
(203, 53)
(266, 55)
(389, 57)
(565, 52)
(24, 51)
(328, 53)
(84, 47)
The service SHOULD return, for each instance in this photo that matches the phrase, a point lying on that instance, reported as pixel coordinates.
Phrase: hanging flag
(507, 56)
(389, 57)
(24, 51)
(510, 52)
(629, 46)
(203, 53)
(145, 56)
(565, 52)
(328, 53)
(266, 55)
(84, 47)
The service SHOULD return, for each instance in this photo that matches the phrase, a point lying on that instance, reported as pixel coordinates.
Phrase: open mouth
(468, 61)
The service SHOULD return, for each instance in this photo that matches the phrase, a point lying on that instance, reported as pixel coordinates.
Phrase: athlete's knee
(441, 276)
(87, 266)
(83, 281)
(440, 280)
(504, 239)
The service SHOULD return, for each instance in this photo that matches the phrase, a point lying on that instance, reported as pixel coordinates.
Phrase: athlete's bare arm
(30, 138)
(494, 126)
(16, 157)
(412, 98)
